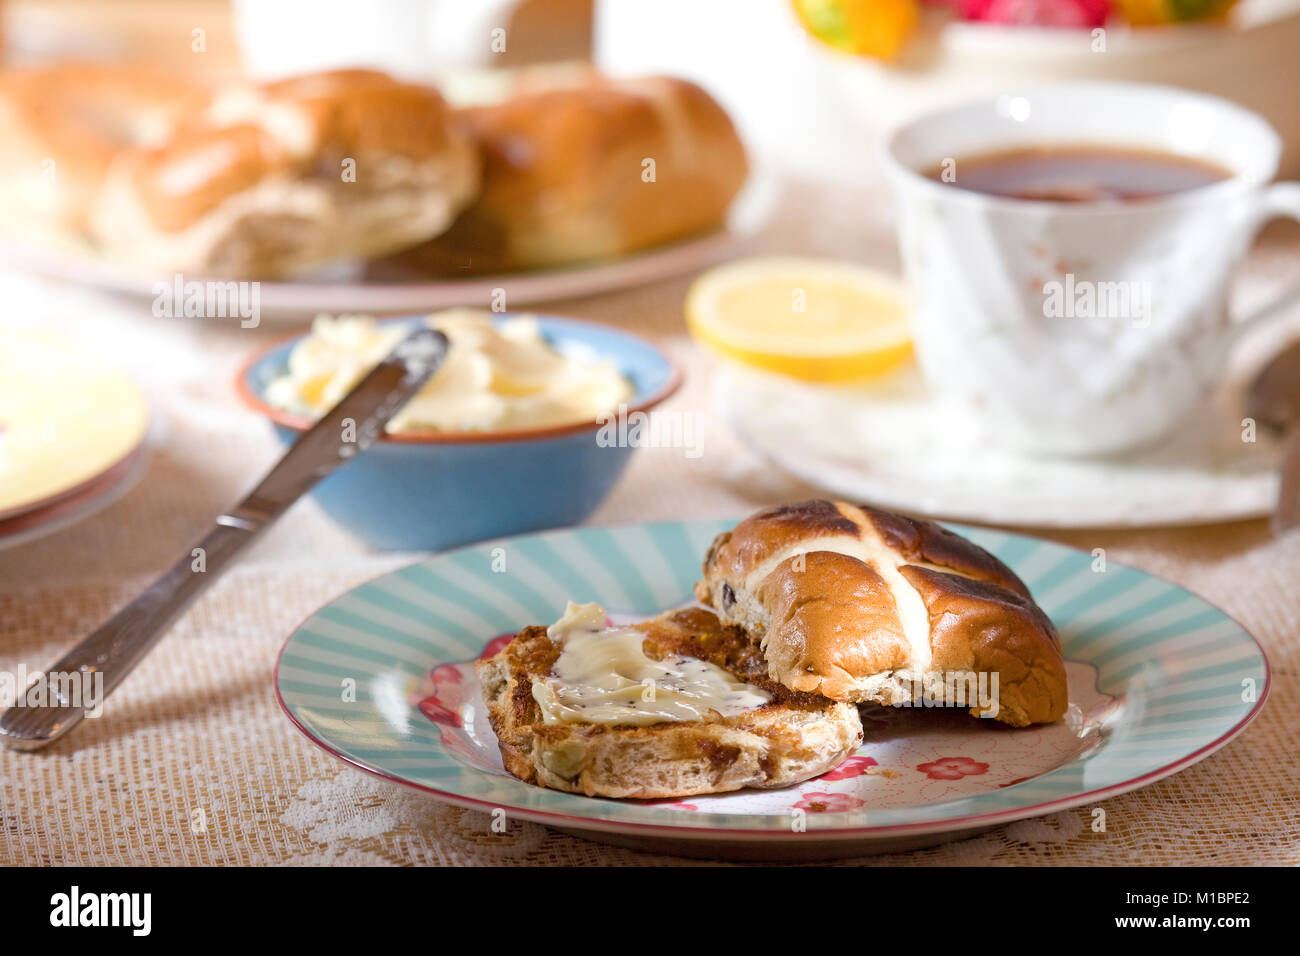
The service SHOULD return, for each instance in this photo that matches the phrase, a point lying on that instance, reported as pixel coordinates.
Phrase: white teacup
(1080, 328)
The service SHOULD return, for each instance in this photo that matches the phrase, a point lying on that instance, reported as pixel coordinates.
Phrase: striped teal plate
(381, 678)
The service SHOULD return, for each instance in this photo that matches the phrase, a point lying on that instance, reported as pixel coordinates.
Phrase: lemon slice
(812, 319)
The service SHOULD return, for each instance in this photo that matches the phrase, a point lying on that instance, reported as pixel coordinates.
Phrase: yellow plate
(813, 319)
(65, 418)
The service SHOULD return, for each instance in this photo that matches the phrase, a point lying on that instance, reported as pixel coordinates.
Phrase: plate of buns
(351, 190)
(819, 679)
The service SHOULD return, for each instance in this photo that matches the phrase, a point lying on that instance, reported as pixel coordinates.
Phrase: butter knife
(1274, 401)
(117, 646)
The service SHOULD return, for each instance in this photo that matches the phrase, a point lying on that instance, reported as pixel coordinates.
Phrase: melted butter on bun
(603, 676)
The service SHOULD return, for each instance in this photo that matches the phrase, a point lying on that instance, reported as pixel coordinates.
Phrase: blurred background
(812, 83)
(810, 86)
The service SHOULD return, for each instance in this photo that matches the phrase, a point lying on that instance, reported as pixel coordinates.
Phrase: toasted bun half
(791, 738)
(268, 180)
(589, 169)
(863, 605)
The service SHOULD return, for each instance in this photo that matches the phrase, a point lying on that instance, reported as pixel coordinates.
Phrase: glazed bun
(62, 126)
(864, 605)
(585, 167)
(268, 180)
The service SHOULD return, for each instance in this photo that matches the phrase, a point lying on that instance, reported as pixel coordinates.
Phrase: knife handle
(117, 646)
(120, 643)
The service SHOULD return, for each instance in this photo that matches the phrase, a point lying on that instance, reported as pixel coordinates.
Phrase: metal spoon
(118, 645)
(1274, 400)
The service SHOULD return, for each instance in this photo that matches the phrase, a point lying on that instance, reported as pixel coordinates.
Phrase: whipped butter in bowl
(512, 433)
(498, 376)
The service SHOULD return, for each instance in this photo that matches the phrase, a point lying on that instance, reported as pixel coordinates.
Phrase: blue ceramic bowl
(434, 490)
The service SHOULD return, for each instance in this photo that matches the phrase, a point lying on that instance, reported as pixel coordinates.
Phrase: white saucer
(892, 445)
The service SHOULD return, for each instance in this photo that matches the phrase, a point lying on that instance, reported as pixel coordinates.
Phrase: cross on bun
(859, 605)
(565, 177)
(256, 184)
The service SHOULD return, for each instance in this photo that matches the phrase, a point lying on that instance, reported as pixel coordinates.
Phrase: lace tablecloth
(195, 764)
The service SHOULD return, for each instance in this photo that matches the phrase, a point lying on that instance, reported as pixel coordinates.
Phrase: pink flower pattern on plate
(494, 645)
(827, 803)
(952, 768)
(853, 767)
(439, 712)
(445, 674)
